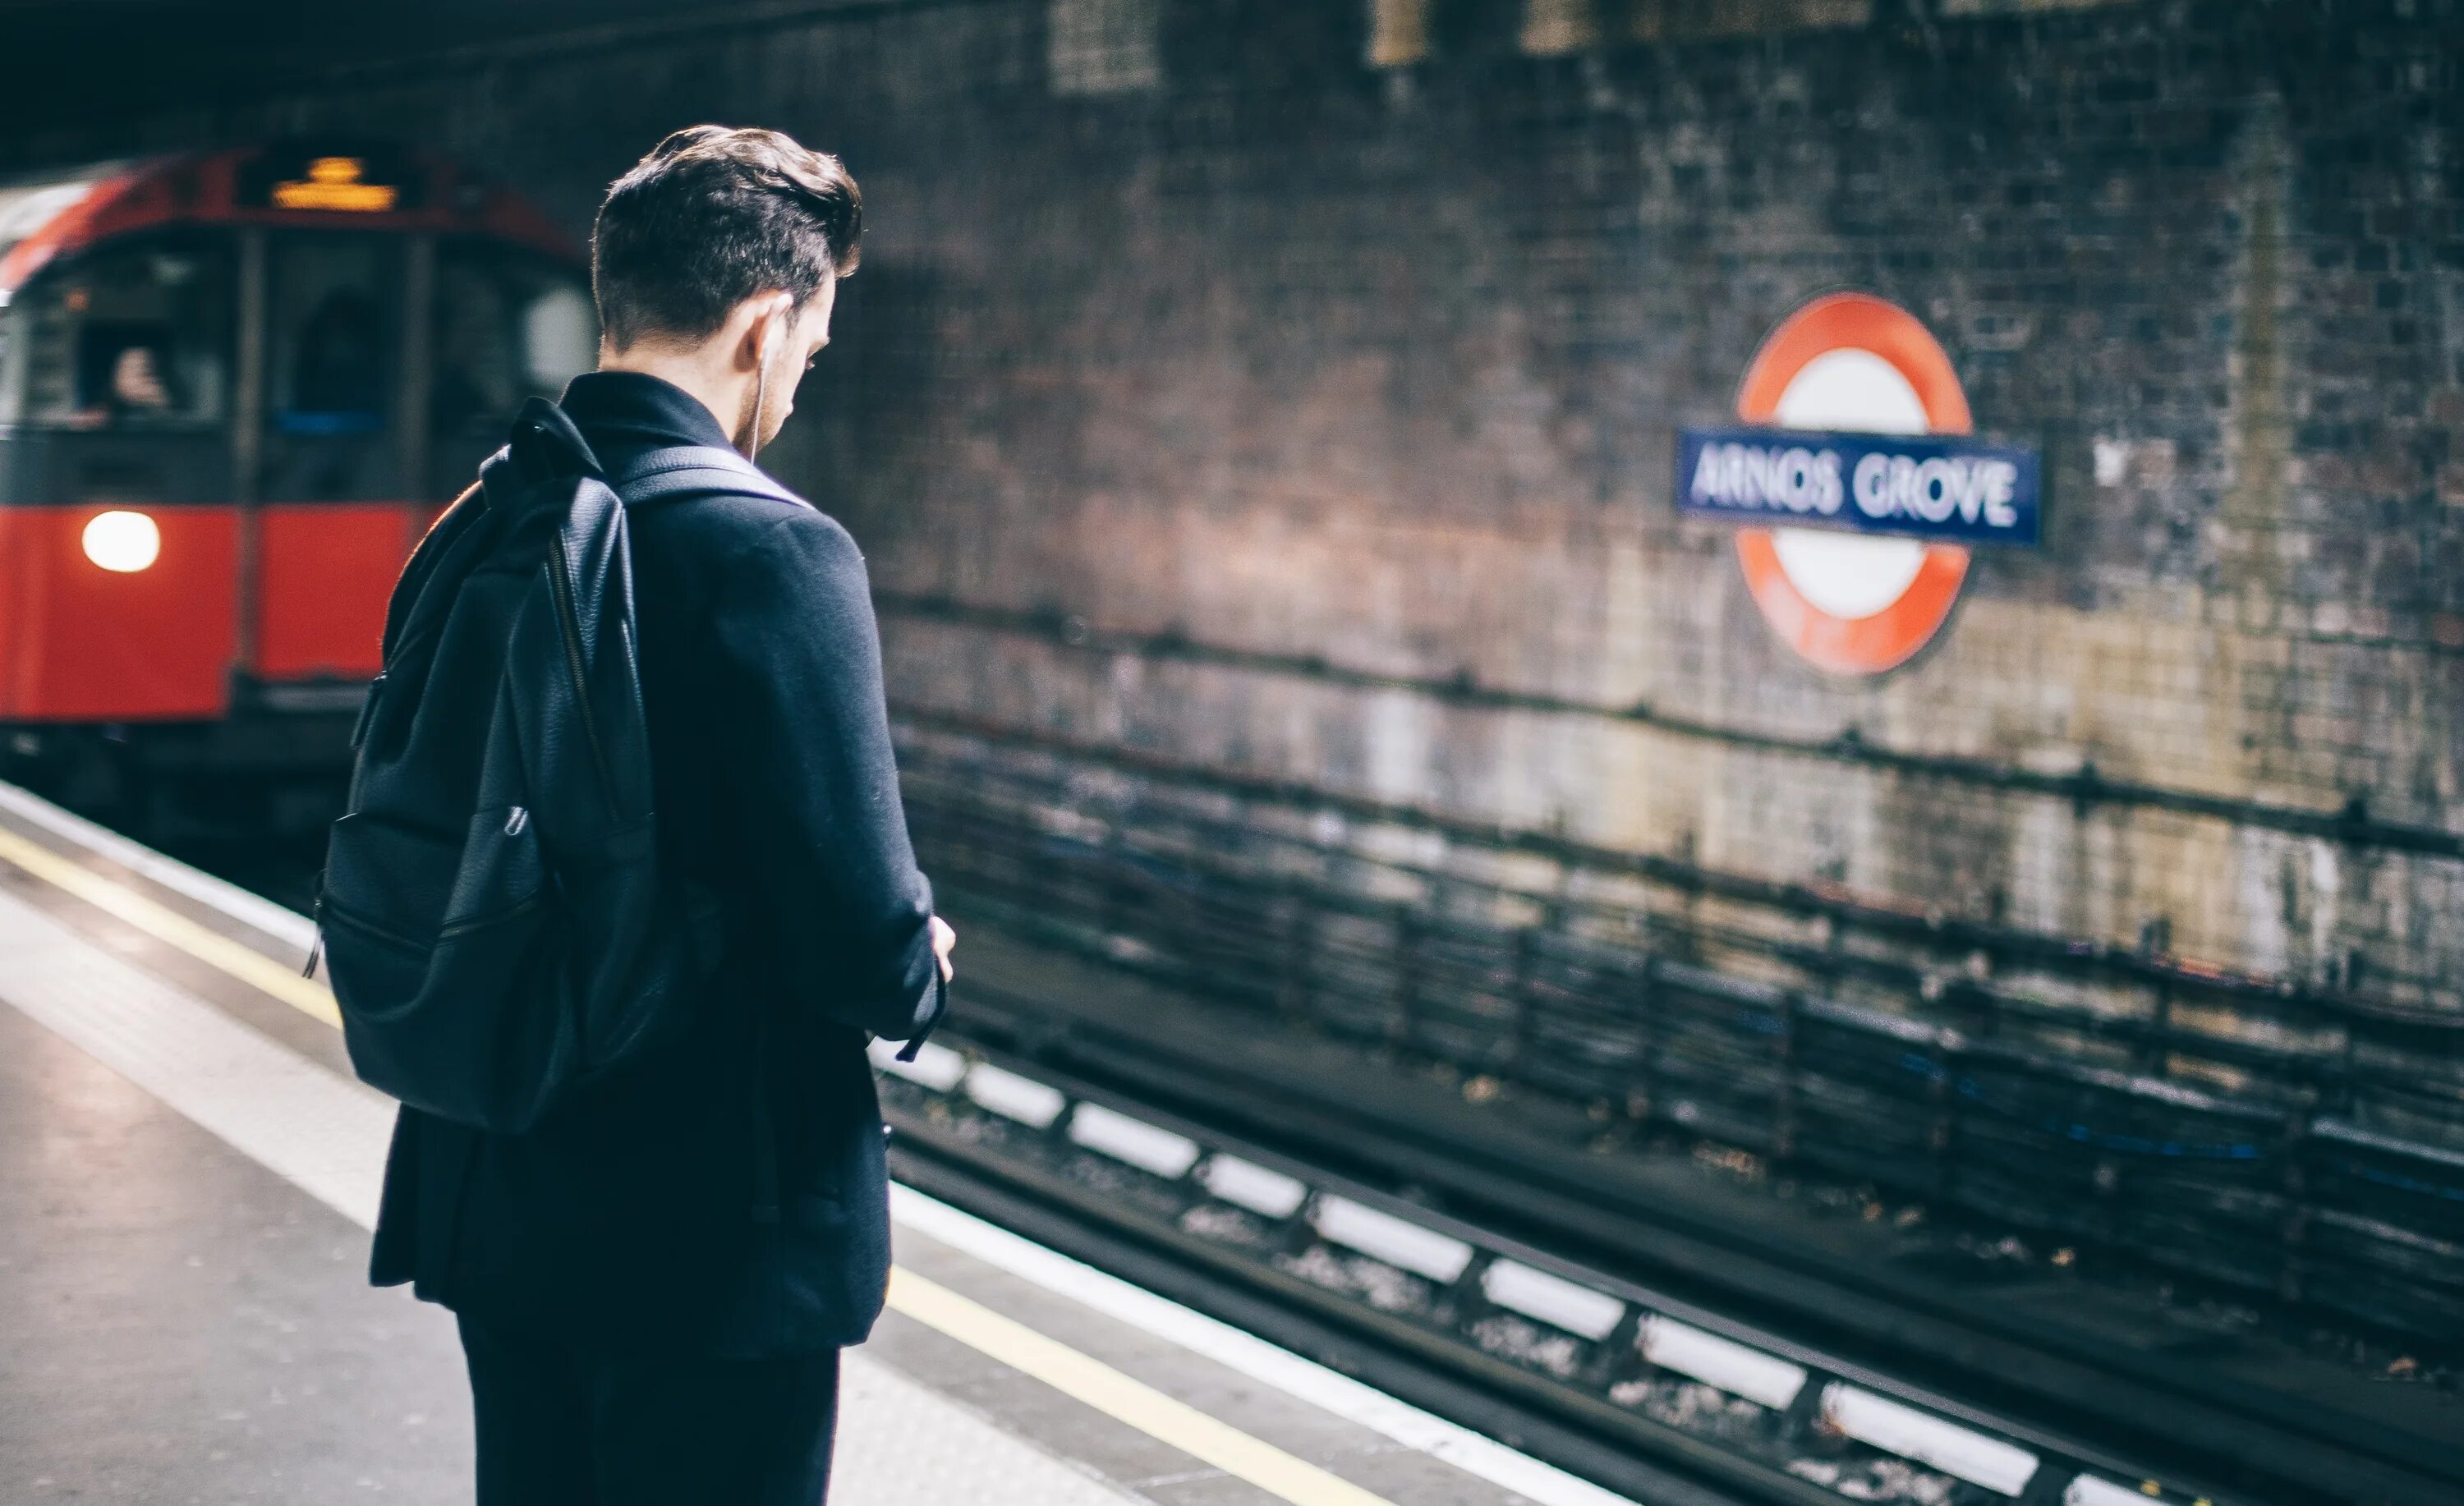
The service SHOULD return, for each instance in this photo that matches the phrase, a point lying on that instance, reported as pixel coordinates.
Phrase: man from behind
(654, 1283)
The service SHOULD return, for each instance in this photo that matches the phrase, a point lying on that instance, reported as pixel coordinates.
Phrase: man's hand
(943, 939)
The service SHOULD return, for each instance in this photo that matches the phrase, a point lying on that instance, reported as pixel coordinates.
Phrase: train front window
(510, 324)
(132, 336)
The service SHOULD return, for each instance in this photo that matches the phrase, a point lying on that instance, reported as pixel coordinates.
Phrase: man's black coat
(631, 1217)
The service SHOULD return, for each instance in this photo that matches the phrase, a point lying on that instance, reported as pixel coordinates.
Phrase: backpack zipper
(357, 921)
(367, 711)
(494, 918)
(462, 927)
(317, 920)
(560, 589)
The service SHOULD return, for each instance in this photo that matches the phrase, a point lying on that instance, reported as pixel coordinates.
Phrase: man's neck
(725, 394)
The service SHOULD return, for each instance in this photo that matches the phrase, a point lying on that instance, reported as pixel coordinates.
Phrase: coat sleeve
(797, 666)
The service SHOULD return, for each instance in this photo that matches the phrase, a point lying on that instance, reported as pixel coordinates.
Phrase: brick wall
(1383, 367)
(1291, 390)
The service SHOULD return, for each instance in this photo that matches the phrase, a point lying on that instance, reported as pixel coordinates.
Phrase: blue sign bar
(1946, 487)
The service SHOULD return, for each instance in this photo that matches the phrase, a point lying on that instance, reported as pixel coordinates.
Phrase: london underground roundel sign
(1856, 490)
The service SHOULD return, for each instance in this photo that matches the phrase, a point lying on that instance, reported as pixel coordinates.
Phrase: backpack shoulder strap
(443, 532)
(682, 471)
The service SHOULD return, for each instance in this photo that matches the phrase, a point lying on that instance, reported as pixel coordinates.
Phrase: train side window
(13, 369)
(510, 324)
(132, 336)
(332, 339)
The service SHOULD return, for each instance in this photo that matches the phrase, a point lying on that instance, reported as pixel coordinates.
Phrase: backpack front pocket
(451, 959)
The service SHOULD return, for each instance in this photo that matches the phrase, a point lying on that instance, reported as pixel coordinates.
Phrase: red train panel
(324, 571)
(82, 643)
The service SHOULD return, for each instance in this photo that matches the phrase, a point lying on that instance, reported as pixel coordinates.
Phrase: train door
(390, 367)
(329, 517)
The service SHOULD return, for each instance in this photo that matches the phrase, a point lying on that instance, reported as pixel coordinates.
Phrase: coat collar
(635, 409)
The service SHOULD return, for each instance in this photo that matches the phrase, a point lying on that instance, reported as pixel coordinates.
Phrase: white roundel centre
(1849, 575)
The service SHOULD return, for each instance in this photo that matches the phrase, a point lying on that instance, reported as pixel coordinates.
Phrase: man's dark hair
(713, 216)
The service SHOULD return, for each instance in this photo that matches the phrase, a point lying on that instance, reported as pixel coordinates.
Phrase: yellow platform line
(1121, 1397)
(1031, 1353)
(206, 945)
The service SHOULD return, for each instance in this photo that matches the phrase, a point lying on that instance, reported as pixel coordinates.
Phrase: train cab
(235, 388)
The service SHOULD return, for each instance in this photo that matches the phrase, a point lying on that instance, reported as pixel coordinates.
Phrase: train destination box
(1946, 487)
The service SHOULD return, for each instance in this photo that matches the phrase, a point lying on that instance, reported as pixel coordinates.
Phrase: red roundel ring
(1884, 640)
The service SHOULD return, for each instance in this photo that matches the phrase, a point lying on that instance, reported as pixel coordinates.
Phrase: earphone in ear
(761, 372)
(779, 311)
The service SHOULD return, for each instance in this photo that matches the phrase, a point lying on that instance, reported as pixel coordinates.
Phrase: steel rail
(1633, 1385)
(2032, 1365)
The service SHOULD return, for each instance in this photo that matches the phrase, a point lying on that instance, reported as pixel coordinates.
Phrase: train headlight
(123, 541)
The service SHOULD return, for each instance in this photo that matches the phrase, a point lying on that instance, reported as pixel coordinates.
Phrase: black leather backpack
(496, 921)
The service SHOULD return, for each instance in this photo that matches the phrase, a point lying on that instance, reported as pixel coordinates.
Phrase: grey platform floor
(182, 1325)
(186, 1321)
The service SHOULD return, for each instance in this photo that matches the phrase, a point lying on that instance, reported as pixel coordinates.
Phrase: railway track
(2158, 1416)
(1633, 1387)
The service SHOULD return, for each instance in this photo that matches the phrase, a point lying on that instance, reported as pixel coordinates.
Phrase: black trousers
(562, 1428)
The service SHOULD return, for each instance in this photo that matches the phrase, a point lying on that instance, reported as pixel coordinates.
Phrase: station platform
(188, 1171)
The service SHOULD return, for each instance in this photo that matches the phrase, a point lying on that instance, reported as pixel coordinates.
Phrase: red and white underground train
(235, 388)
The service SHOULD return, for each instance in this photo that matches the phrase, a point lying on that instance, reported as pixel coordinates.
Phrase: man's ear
(781, 313)
(764, 328)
